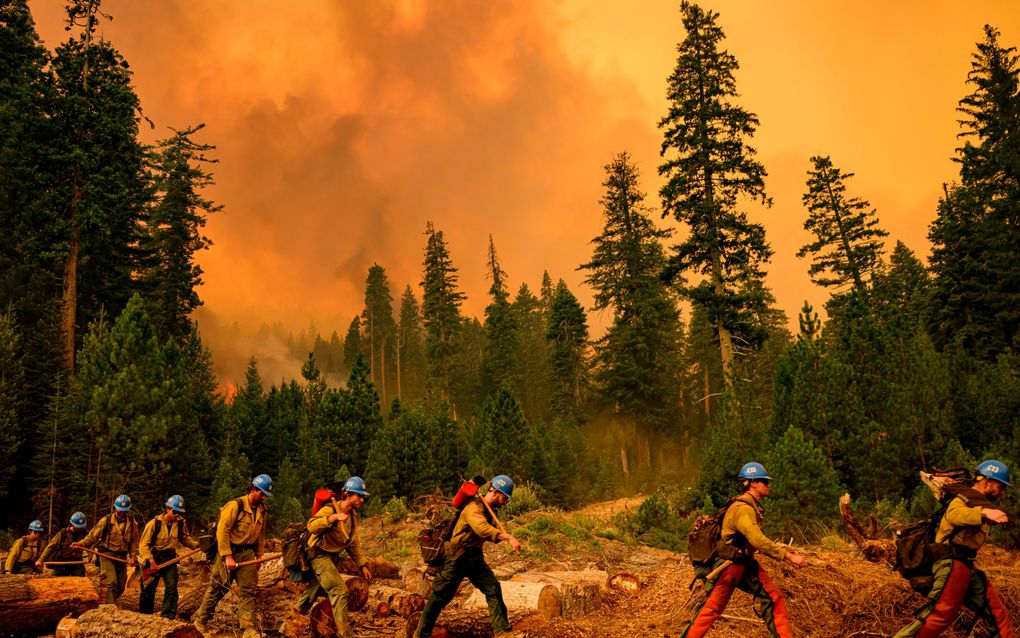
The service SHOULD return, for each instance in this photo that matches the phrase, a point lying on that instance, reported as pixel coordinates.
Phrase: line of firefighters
(333, 530)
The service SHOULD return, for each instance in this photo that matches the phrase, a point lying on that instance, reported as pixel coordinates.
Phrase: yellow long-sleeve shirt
(167, 538)
(966, 521)
(240, 524)
(25, 550)
(122, 535)
(743, 520)
(336, 537)
(473, 528)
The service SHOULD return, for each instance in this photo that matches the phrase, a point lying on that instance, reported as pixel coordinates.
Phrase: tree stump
(580, 591)
(543, 598)
(357, 592)
(36, 605)
(415, 582)
(874, 550)
(110, 622)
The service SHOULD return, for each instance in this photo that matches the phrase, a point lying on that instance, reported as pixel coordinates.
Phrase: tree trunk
(531, 597)
(110, 622)
(357, 592)
(379, 566)
(398, 601)
(69, 300)
(874, 550)
(36, 605)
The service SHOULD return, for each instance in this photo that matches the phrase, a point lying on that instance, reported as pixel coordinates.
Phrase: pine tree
(380, 331)
(975, 238)
(531, 363)
(410, 349)
(501, 330)
(710, 170)
(11, 384)
(103, 189)
(847, 248)
(804, 488)
(567, 332)
(504, 439)
(900, 290)
(440, 310)
(636, 360)
(353, 345)
(174, 230)
(250, 419)
(348, 421)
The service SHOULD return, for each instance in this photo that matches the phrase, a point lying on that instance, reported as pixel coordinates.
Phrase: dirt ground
(837, 595)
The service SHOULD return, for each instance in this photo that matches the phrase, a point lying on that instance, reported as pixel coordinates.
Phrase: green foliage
(440, 310)
(501, 329)
(411, 348)
(567, 333)
(395, 510)
(11, 384)
(636, 361)
(710, 171)
(805, 489)
(286, 505)
(505, 441)
(380, 332)
(526, 499)
(230, 481)
(847, 246)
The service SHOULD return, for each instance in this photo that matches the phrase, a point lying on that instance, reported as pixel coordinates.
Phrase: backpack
(916, 549)
(295, 543)
(433, 539)
(704, 541)
(208, 543)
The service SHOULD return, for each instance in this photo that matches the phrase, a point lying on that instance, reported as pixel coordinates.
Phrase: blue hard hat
(504, 485)
(754, 472)
(355, 485)
(122, 503)
(35, 526)
(176, 503)
(263, 483)
(995, 470)
(78, 520)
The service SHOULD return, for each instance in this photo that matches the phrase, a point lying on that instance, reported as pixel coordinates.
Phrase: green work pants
(169, 576)
(328, 578)
(113, 575)
(247, 578)
(469, 564)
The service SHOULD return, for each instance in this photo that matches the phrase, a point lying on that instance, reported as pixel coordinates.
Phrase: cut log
(398, 601)
(415, 582)
(464, 623)
(874, 550)
(580, 592)
(625, 581)
(357, 592)
(109, 621)
(543, 598)
(36, 605)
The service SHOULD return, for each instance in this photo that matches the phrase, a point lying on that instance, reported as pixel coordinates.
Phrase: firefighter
(240, 537)
(116, 534)
(955, 581)
(160, 539)
(465, 559)
(741, 537)
(332, 531)
(60, 549)
(25, 551)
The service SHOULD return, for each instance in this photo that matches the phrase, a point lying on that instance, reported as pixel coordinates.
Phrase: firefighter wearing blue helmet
(160, 540)
(240, 537)
(25, 551)
(117, 535)
(61, 549)
(735, 566)
(955, 580)
(475, 525)
(332, 531)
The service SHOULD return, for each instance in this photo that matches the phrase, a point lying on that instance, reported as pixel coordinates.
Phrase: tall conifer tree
(174, 230)
(848, 247)
(636, 360)
(410, 348)
(710, 170)
(440, 309)
(501, 338)
(380, 331)
(567, 331)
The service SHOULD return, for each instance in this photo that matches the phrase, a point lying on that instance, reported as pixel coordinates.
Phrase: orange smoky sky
(342, 127)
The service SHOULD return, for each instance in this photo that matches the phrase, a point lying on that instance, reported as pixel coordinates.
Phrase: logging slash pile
(619, 591)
